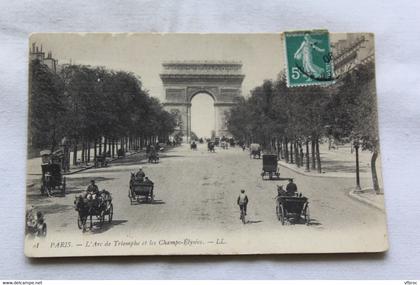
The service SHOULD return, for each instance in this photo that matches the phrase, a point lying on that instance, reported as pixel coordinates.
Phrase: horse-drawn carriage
(97, 208)
(52, 178)
(193, 145)
(140, 189)
(120, 153)
(255, 150)
(210, 146)
(101, 160)
(270, 166)
(224, 145)
(35, 224)
(153, 156)
(292, 209)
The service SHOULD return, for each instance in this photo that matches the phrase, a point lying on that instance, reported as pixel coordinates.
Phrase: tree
(353, 114)
(86, 104)
(46, 107)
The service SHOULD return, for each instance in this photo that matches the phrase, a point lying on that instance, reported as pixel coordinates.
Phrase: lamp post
(356, 148)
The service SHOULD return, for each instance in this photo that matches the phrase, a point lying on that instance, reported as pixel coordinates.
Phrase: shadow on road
(253, 222)
(144, 202)
(106, 226)
(54, 208)
(278, 179)
(340, 166)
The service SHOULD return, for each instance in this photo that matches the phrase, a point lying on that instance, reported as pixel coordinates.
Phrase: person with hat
(92, 190)
(140, 174)
(291, 188)
(242, 201)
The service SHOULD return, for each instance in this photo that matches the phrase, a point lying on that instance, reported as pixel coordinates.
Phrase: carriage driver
(92, 191)
(291, 188)
(140, 174)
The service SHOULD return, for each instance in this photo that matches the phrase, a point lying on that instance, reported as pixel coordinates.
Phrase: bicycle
(243, 215)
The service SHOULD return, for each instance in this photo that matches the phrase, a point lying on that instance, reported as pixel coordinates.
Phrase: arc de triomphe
(182, 80)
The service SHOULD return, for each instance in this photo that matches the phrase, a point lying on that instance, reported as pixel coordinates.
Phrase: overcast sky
(261, 55)
(143, 54)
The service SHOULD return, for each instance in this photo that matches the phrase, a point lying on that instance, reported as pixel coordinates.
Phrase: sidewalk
(368, 196)
(338, 163)
(34, 167)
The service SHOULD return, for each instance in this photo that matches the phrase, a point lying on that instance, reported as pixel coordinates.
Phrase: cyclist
(242, 202)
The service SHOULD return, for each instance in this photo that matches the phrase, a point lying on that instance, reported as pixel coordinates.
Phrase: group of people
(291, 190)
(141, 176)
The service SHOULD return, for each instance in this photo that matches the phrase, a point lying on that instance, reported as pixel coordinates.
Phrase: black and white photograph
(185, 144)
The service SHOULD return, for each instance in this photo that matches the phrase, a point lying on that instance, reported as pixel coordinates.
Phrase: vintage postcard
(185, 144)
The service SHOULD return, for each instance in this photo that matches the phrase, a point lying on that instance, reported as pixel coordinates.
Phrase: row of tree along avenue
(86, 108)
(294, 121)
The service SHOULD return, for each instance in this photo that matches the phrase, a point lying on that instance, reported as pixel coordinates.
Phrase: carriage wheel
(43, 232)
(101, 218)
(306, 215)
(79, 222)
(130, 196)
(270, 175)
(111, 213)
(64, 187)
(49, 188)
(282, 214)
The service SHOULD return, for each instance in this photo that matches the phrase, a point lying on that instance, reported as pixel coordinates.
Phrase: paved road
(196, 191)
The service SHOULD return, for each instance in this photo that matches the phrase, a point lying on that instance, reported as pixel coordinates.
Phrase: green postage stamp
(308, 58)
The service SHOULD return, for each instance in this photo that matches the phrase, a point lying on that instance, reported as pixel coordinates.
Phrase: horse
(193, 146)
(82, 206)
(153, 157)
(210, 147)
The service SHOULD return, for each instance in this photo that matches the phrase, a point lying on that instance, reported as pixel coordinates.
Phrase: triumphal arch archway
(182, 80)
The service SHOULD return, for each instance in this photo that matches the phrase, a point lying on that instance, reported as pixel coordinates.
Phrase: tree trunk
(291, 152)
(286, 151)
(83, 151)
(356, 148)
(95, 145)
(297, 161)
(75, 153)
(307, 156)
(100, 145)
(313, 153)
(113, 148)
(88, 151)
(105, 145)
(300, 154)
(374, 174)
(318, 157)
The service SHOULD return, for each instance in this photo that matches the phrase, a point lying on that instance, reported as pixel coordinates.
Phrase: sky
(143, 54)
(261, 56)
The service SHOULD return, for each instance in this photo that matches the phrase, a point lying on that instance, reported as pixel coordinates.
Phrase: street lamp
(356, 148)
